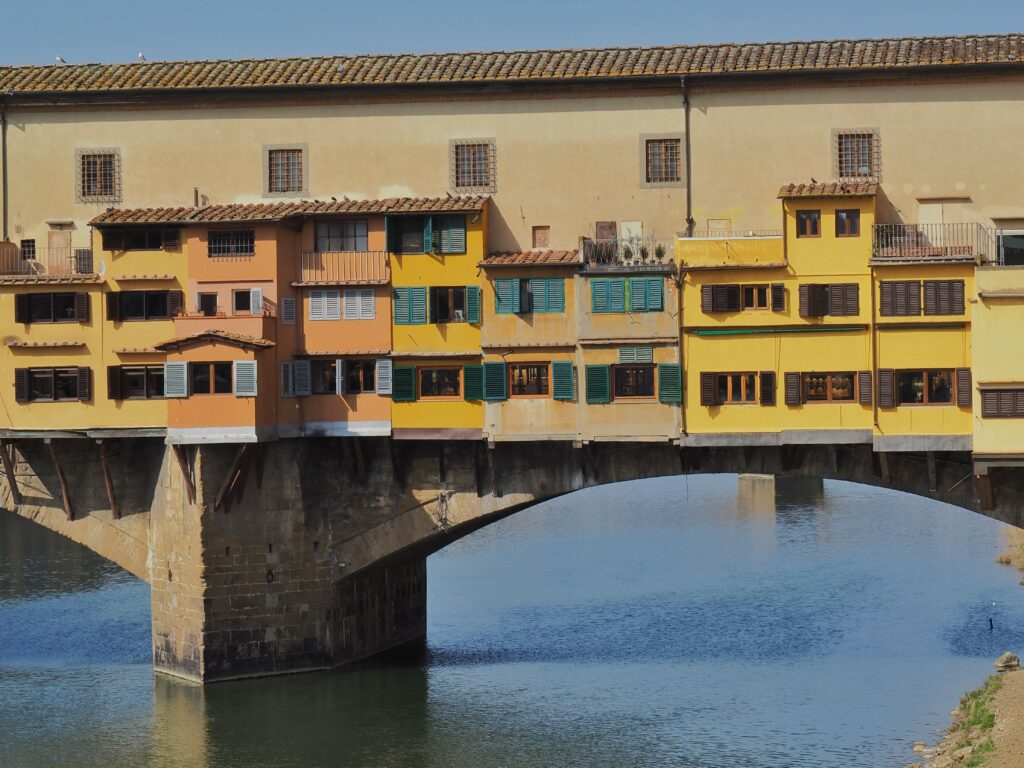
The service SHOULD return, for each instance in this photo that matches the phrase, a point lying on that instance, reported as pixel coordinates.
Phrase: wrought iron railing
(632, 251)
(730, 234)
(340, 267)
(43, 262)
(933, 241)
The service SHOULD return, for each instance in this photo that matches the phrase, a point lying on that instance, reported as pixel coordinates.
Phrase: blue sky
(35, 31)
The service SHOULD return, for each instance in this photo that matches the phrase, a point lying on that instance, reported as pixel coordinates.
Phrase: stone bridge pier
(311, 553)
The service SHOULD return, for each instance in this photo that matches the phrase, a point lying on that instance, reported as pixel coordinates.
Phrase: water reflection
(673, 622)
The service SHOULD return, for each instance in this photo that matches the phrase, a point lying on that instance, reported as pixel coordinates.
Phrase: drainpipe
(874, 352)
(686, 141)
(3, 163)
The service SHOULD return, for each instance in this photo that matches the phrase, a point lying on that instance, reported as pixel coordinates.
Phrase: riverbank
(1013, 554)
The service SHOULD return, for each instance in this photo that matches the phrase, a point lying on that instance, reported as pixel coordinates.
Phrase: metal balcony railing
(627, 252)
(342, 267)
(933, 241)
(45, 262)
(730, 234)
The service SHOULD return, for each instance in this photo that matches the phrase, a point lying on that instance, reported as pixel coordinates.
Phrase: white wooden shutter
(332, 305)
(351, 301)
(245, 378)
(256, 301)
(383, 377)
(287, 380)
(367, 309)
(175, 379)
(288, 311)
(302, 379)
(316, 305)
(339, 376)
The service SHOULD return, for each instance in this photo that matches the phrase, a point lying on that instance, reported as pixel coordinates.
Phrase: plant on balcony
(627, 254)
(644, 254)
(659, 253)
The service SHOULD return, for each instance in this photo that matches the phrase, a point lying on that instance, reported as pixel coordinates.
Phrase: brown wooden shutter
(85, 383)
(707, 298)
(113, 306)
(707, 389)
(732, 298)
(778, 297)
(767, 387)
(886, 388)
(113, 239)
(913, 293)
(805, 301)
(21, 308)
(963, 387)
(957, 299)
(792, 389)
(82, 307)
(851, 299)
(1007, 402)
(864, 387)
(931, 297)
(114, 391)
(21, 385)
(169, 239)
(175, 303)
(887, 298)
(837, 299)
(989, 403)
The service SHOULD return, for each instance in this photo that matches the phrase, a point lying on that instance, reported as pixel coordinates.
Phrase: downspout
(686, 143)
(874, 352)
(3, 163)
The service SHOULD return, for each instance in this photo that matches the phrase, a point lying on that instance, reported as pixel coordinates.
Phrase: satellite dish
(103, 268)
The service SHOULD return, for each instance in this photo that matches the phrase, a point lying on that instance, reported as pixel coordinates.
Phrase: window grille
(285, 168)
(28, 249)
(662, 161)
(98, 176)
(473, 166)
(856, 154)
(230, 242)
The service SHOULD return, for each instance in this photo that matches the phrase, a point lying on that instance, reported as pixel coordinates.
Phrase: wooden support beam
(231, 477)
(933, 484)
(261, 458)
(237, 491)
(397, 463)
(986, 498)
(883, 463)
(492, 463)
(64, 492)
(108, 480)
(186, 472)
(478, 469)
(12, 481)
(440, 460)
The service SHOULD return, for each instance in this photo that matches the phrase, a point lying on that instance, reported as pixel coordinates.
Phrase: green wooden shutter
(599, 295)
(539, 294)
(417, 306)
(472, 304)
(563, 380)
(506, 296)
(403, 383)
(670, 383)
(655, 294)
(617, 295)
(452, 233)
(555, 294)
(495, 381)
(473, 382)
(637, 294)
(401, 303)
(599, 384)
(428, 235)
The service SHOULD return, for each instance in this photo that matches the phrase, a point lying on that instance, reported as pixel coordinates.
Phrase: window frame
(111, 194)
(51, 372)
(756, 287)
(926, 388)
(242, 247)
(432, 304)
(852, 228)
(216, 303)
(268, 168)
(839, 154)
(52, 300)
(212, 372)
(665, 165)
(651, 367)
(830, 388)
(643, 150)
(546, 366)
(812, 215)
(361, 365)
(317, 367)
(420, 370)
(745, 377)
(356, 238)
(148, 372)
(477, 184)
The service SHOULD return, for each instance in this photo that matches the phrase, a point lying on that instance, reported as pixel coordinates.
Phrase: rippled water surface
(658, 623)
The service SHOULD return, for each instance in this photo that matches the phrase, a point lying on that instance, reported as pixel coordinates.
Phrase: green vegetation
(978, 719)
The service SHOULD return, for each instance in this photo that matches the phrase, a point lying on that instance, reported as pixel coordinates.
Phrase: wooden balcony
(913, 243)
(343, 268)
(46, 264)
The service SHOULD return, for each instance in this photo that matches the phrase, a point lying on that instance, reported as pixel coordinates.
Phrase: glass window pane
(133, 382)
(40, 384)
(939, 386)
(156, 304)
(911, 385)
(815, 387)
(200, 374)
(412, 234)
(40, 307)
(842, 386)
(324, 374)
(723, 389)
(439, 382)
(222, 379)
(242, 301)
(748, 387)
(63, 306)
(208, 304)
(133, 305)
(155, 381)
(65, 384)
(529, 379)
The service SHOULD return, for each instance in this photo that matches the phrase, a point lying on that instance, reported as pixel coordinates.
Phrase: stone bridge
(311, 553)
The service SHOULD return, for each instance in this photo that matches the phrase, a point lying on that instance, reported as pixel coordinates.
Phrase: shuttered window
(403, 386)
(473, 304)
(144, 305)
(670, 383)
(646, 294)
(302, 372)
(529, 380)
(643, 354)
(33, 385)
(899, 298)
(792, 388)
(359, 304)
(608, 295)
(473, 382)
(820, 300)
(449, 234)
(325, 305)
(506, 296)
(1002, 403)
(547, 294)
(778, 291)
(410, 306)
(768, 387)
(944, 297)
(886, 388)
(828, 387)
(245, 382)
(135, 382)
(599, 384)
(495, 381)
(864, 387)
(720, 298)
(963, 387)
(51, 308)
(175, 379)
(287, 380)
(288, 311)
(563, 380)
(384, 377)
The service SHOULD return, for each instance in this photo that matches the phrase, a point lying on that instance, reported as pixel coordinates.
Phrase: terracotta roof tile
(255, 212)
(214, 335)
(533, 259)
(470, 67)
(830, 189)
(22, 344)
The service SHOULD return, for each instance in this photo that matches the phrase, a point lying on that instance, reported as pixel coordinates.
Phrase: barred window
(28, 249)
(285, 169)
(473, 166)
(231, 242)
(662, 161)
(856, 155)
(98, 176)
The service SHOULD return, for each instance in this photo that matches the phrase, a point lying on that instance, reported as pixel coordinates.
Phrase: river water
(657, 623)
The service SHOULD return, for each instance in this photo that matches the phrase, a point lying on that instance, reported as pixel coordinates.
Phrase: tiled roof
(215, 335)
(506, 66)
(830, 189)
(234, 212)
(533, 259)
(20, 344)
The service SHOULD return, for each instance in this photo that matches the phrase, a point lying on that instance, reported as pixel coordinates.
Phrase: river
(656, 623)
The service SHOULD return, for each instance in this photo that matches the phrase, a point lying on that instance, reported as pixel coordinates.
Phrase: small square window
(440, 382)
(473, 165)
(28, 250)
(848, 223)
(242, 301)
(98, 176)
(207, 304)
(808, 223)
(856, 154)
(285, 170)
(541, 237)
(663, 161)
(634, 380)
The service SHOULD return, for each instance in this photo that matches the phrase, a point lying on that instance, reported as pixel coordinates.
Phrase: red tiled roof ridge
(512, 65)
(861, 188)
(230, 336)
(535, 257)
